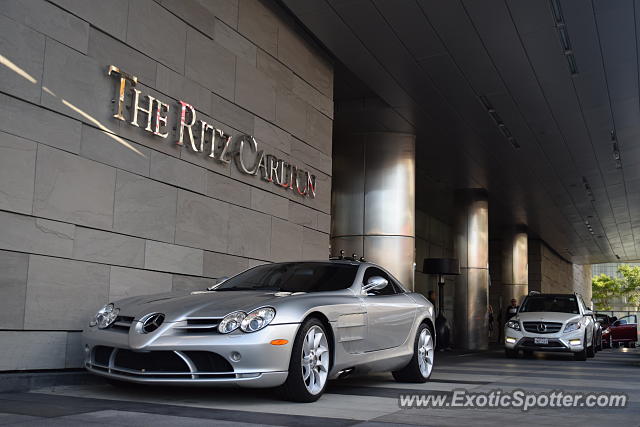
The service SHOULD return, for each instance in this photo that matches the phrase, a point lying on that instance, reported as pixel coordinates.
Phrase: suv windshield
(293, 277)
(553, 303)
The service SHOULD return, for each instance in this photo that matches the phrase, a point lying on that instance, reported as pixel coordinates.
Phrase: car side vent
(200, 325)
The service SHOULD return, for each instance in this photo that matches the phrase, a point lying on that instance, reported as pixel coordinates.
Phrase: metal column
(472, 286)
(515, 266)
(373, 203)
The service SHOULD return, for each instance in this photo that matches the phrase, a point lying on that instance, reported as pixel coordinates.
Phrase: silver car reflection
(289, 325)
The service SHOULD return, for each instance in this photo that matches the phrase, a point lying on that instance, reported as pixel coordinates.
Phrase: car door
(390, 313)
(625, 329)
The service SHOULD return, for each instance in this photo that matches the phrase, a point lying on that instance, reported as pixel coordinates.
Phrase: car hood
(179, 305)
(548, 317)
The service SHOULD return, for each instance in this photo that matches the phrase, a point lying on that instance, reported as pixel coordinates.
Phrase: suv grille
(542, 327)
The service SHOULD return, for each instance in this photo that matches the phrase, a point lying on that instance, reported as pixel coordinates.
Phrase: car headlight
(257, 319)
(231, 322)
(513, 324)
(573, 326)
(606, 331)
(105, 316)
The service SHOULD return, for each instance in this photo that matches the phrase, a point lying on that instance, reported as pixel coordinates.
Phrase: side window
(390, 289)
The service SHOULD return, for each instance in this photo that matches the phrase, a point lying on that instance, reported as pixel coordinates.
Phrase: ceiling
(536, 101)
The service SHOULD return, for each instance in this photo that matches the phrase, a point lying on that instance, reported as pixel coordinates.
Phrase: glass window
(293, 277)
(550, 303)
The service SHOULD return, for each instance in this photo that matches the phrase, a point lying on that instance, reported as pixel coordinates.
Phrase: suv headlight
(513, 324)
(258, 319)
(105, 316)
(231, 322)
(572, 326)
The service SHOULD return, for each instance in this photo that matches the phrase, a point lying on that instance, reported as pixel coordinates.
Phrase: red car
(623, 331)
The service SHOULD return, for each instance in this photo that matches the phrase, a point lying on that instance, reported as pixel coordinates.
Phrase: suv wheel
(581, 355)
(591, 349)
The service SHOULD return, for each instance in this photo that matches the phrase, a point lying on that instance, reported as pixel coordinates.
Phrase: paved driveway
(362, 401)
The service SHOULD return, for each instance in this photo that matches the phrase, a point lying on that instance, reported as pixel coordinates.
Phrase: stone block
(249, 233)
(17, 173)
(49, 20)
(53, 129)
(302, 215)
(313, 97)
(291, 113)
(73, 189)
(193, 12)
(13, 288)
(108, 15)
(108, 248)
(226, 10)
(311, 155)
(315, 245)
(190, 283)
(64, 294)
(305, 60)
(178, 172)
(319, 130)
(105, 147)
(210, 64)
(144, 208)
(156, 32)
(173, 258)
(231, 40)
(286, 240)
(21, 350)
(110, 51)
(275, 70)
(35, 235)
(74, 356)
(272, 135)
(255, 91)
(202, 222)
(219, 265)
(231, 115)
(179, 87)
(130, 282)
(324, 222)
(223, 188)
(257, 23)
(269, 203)
(22, 66)
(78, 85)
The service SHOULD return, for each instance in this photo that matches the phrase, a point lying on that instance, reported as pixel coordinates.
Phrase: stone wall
(93, 209)
(548, 272)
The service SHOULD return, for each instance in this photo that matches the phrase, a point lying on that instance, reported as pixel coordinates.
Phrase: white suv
(551, 322)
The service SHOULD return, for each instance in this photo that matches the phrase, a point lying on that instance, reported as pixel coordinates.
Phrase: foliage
(606, 288)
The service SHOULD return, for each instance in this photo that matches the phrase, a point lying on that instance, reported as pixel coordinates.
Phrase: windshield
(550, 303)
(293, 277)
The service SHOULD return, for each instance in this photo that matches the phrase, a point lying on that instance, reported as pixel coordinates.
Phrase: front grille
(200, 325)
(542, 327)
(122, 323)
(552, 344)
(161, 364)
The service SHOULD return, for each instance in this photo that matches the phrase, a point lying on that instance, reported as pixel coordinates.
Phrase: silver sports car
(289, 325)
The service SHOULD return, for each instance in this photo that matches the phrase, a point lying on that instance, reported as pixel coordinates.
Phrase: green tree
(605, 288)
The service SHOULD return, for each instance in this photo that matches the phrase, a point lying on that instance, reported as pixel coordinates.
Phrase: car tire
(420, 367)
(591, 350)
(511, 354)
(297, 388)
(632, 345)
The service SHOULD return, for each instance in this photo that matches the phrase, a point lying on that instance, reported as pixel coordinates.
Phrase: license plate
(541, 340)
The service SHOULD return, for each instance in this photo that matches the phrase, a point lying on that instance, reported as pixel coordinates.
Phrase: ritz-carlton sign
(204, 138)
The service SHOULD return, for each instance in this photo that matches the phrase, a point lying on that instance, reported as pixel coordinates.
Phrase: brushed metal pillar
(472, 286)
(373, 203)
(515, 266)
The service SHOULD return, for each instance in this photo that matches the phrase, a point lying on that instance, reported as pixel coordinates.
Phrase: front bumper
(558, 342)
(241, 359)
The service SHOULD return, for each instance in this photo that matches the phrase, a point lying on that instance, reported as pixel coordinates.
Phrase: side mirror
(375, 283)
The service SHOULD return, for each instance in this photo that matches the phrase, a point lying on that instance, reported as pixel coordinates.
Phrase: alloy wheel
(425, 352)
(315, 360)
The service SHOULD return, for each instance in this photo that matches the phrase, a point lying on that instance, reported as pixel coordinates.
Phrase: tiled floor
(362, 401)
